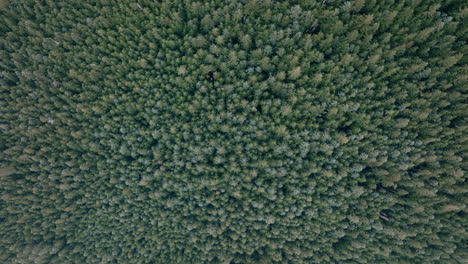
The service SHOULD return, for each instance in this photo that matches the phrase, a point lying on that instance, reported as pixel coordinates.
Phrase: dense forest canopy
(233, 131)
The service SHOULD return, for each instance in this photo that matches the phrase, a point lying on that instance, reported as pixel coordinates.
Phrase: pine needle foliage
(236, 131)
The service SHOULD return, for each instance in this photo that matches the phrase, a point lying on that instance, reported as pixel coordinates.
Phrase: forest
(233, 131)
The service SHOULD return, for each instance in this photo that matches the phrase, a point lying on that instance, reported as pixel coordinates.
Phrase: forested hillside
(236, 131)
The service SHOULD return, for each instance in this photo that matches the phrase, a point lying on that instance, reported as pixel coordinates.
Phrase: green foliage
(233, 131)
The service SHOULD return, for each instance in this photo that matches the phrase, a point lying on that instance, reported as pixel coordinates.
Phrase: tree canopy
(236, 131)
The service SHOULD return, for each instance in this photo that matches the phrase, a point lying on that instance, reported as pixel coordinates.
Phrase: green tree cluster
(236, 131)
